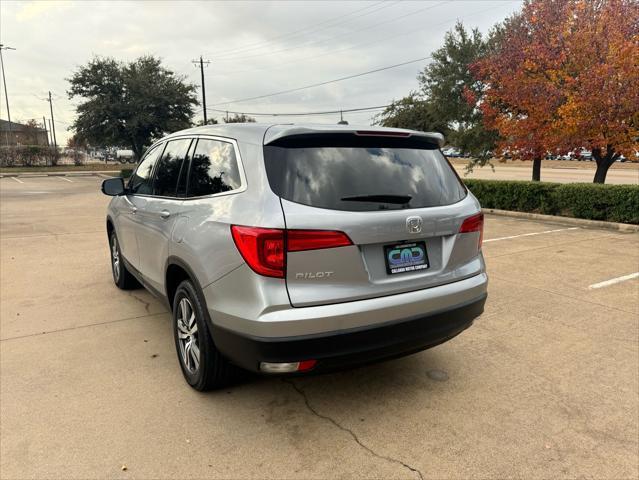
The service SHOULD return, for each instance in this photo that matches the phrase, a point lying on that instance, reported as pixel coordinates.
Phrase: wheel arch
(110, 225)
(177, 271)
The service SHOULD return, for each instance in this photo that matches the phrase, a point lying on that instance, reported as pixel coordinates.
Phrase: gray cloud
(250, 45)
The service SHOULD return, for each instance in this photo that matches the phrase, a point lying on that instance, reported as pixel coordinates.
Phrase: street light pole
(6, 95)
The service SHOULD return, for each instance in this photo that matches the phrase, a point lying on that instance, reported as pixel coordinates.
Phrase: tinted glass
(141, 181)
(374, 174)
(184, 172)
(213, 168)
(169, 166)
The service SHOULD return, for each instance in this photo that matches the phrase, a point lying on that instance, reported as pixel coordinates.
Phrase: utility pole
(44, 124)
(6, 95)
(202, 62)
(55, 141)
(50, 134)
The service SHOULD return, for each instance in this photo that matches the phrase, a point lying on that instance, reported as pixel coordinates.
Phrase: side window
(140, 181)
(169, 166)
(213, 168)
(184, 171)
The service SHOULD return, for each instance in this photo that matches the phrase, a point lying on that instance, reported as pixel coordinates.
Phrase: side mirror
(113, 186)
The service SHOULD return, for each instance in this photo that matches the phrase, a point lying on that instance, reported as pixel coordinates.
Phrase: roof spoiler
(431, 137)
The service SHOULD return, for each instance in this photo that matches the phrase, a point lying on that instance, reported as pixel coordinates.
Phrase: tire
(203, 366)
(122, 278)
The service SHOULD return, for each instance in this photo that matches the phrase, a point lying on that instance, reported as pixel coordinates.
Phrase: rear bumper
(345, 348)
(254, 306)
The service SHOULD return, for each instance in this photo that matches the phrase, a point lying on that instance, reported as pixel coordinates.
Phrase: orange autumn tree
(519, 100)
(600, 79)
(563, 75)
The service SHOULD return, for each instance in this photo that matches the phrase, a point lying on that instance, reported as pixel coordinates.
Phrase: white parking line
(17, 180)
(64, 178)
(530, 234)
(612, 281)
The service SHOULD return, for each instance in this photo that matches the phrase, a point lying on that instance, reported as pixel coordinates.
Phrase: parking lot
(544, 385)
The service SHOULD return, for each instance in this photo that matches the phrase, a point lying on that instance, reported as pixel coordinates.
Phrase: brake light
(301, 240)
(381, 133)
(263, 249)
(474, 224)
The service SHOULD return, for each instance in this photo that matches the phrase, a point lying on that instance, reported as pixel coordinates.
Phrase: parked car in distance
(583, 155)
(288, 249)
(124, 156)
(452, 152)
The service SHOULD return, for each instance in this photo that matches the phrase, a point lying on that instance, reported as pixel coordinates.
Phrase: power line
(320, 42)
(294, 33)
(323, 83)
(299, 114)
(283, 65)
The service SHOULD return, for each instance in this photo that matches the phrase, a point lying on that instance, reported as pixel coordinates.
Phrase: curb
(95, 173)
(580, 222)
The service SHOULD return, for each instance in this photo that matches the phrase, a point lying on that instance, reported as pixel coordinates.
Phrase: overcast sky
(255, 48)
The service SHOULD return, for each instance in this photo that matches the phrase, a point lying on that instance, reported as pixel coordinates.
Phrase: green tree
(130, 103)
(32, 132)
(239, 118)
(412, 112)
(448, 96)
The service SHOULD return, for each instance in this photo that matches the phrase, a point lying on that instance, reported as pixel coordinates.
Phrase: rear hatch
(396, 198)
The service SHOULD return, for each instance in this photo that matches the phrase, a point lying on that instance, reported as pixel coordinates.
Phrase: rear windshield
(361, 174)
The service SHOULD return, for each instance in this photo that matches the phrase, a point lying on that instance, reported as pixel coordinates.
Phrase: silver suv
(299, 248)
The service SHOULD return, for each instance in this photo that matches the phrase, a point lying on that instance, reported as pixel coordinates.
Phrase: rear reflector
(474, 224)
(288, 367)
(264, 249)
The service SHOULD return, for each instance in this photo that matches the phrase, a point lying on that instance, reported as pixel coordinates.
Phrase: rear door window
(141, 182)
(214, 168)
(346, 172)
(169, 167)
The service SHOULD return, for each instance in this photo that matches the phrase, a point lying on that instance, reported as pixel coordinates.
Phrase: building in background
(22, 134)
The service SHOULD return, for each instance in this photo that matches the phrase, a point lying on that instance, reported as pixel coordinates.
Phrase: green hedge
(612, 203)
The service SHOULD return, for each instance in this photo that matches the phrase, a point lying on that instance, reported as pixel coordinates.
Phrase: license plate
(405, 257)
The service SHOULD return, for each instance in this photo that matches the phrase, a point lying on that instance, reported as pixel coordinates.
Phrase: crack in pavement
(349, 431)
(108, 322)
(147, 305)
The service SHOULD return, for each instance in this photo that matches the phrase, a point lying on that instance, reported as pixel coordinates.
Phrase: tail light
(381, 133)
(261, 248)
(474, 224)
(264, 249)
(300, 240)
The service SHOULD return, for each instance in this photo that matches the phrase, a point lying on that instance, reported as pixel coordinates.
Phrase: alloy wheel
(188, 335)
(115, 258)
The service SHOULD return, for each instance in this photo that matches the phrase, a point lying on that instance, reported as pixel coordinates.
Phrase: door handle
(165, 214)
(134, 210)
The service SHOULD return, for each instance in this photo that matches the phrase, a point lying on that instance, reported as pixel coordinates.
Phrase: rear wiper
(399, 199)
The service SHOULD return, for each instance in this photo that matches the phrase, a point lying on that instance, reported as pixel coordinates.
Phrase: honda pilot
(289, 249)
